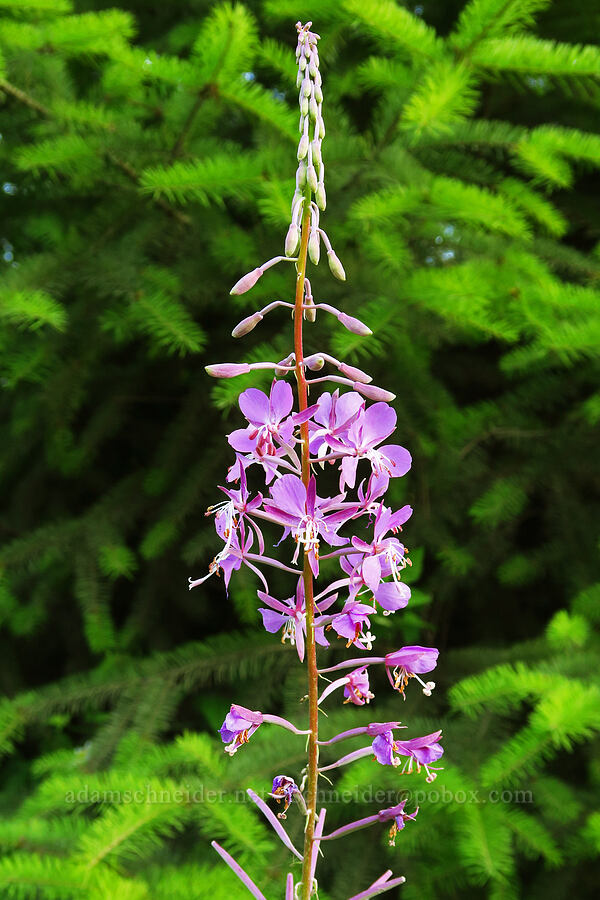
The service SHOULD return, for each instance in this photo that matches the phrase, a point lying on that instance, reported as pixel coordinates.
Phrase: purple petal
(284, 608)
(289, 494)
(378, 423)
(383, 748)
(424, 749)
(281, 400)
(255, 406)
(371, 572)
(272, 621)
(392, 596)
(311, 495)
(300, 642)
(240, 440)
(347, 409)
(399, 458)
(414, 659)
(348, 471)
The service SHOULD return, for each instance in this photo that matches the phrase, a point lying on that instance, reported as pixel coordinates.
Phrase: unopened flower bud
(313, 109)
(299, 79)
(301, 175)
(320, 196)
(288, 361)
(304, 106)
(373, 392)
(303, 146)
(302, 63)
(311, 177)
(246, 325)
(312, 67)
(292, 239)
(320, 127)
(318, 93)
(227, 370)
(315, 362)
(354, 373)
(310, 314)
(247, 281)
(306, 87)
(354, 325)
(314, 247)
(316, 153)
(335, 265)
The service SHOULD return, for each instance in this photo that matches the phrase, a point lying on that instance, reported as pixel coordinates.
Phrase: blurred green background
(148, 158)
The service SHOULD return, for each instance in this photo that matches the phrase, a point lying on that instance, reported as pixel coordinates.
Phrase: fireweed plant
(343, 430)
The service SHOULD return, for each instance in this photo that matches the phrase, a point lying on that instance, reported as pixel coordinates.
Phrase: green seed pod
(337, 269)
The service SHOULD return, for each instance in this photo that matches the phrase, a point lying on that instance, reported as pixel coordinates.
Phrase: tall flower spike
(287, 445)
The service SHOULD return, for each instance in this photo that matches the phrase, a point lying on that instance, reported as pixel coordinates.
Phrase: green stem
(311, 654)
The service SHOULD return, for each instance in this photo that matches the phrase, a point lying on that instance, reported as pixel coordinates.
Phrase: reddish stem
(311, 654)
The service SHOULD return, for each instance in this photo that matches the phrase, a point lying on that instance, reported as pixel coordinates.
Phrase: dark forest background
(148, 157)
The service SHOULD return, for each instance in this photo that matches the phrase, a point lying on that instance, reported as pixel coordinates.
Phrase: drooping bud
(313, 109)
(315, 362)
(227, 370)
(303, 146)
(283, 365)
(306, 87)
(314, 247)
(292, 240)
(316, 153)
(246, 325)
(318, 93)
(304, 106)
(311, 177)
(309, 314)
(335, 265)
(320, 128)
(354, 373)
(320, 196)
(247, 281)
(372, 392)
(354, 325)
(301, 175)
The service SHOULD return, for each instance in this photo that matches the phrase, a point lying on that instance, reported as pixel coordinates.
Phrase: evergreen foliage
(146, 155)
